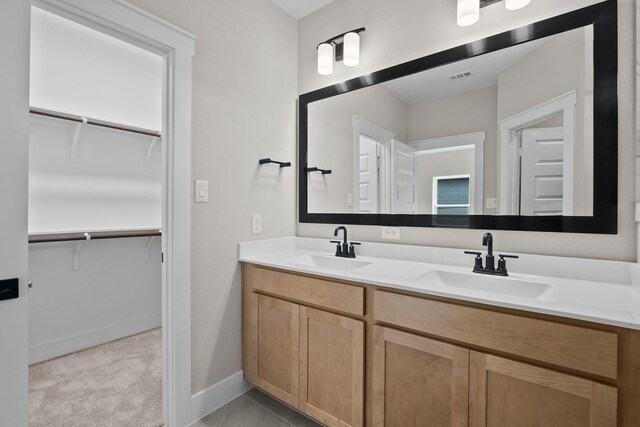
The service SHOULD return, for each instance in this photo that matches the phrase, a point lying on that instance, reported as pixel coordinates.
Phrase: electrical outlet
(391, 233)
(256, 224)
(349, 200)
(491, 203)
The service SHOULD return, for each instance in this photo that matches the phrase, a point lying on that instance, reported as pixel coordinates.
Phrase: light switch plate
(256, 224)
(391, 233)
(491, 203)
(201, 191)
(349, 200)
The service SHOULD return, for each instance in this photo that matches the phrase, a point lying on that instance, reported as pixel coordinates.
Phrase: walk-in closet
(95, 238)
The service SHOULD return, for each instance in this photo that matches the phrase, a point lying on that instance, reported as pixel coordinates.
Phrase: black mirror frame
(604, 18)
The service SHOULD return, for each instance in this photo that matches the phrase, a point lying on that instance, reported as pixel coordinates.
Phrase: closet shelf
(94, 122)
(92, 235)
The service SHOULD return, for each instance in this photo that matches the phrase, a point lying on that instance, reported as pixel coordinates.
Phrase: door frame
(509, 130)
(463, 141)
(131, 24)
(383, 137)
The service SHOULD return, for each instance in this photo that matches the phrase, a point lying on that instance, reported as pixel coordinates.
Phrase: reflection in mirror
(508, 133)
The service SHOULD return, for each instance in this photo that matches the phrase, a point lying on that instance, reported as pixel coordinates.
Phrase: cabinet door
(275, 348)
(331, 368)
(418, 381)
(513, 394)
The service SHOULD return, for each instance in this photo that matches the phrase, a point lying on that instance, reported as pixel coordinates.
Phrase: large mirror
(517, 131)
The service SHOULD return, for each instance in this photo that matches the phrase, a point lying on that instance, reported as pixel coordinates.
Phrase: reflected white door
(14, 148)
(541, 182)
(369, 183)
(403, 179)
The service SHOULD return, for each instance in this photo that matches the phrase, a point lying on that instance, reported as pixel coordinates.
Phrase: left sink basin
(331, 262)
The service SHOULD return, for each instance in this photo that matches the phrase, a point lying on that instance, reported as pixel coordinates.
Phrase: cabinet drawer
(572, 347)
(318, 292)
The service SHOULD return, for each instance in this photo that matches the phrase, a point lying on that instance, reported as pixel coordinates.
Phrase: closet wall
(92, 291)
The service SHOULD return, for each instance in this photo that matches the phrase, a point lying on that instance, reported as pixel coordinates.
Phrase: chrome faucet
(344, 249)
(489, 267)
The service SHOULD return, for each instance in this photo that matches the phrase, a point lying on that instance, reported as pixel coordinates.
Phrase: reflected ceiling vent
(462, 75)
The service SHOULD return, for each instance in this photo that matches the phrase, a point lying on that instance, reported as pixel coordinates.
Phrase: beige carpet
(118, 384)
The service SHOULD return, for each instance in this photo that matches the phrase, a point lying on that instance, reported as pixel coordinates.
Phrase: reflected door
(403, 179)
(369, 184)
(541, 181)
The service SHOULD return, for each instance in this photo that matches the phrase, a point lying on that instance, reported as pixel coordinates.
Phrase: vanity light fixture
(469, 10)
(343, 47)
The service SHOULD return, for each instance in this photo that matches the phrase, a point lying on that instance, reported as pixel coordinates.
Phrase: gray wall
(406, 29)
(244, 92)
(461, 162)
(473, 111)
(331, 147)
(553, 70)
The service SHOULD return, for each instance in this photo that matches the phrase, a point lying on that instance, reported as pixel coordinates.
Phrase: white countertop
(606, 292)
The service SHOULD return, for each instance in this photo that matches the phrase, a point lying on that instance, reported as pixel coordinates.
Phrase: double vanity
(409, 336)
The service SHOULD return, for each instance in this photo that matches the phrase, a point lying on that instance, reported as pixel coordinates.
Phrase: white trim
(461, 141)
(49, 350)
(434, 197)
(217, 395)
(384, 137)
(132, 24)
(508, 146)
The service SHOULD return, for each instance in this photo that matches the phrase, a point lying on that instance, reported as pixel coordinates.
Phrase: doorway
(95, 221)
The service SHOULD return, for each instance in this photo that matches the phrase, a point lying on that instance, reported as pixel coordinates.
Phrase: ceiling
(300, 8)
(436, 82)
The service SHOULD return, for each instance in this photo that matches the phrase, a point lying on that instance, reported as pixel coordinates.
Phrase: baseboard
(49, 350)
(208, 400)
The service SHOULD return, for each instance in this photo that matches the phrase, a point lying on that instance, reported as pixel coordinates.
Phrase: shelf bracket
(73, 157)
(148, 247)
(76, 252)
(147, 159)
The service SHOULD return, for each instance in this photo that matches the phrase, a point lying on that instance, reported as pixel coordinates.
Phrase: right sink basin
(487, 284)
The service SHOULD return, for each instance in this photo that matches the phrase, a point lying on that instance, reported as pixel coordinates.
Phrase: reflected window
(451, 195)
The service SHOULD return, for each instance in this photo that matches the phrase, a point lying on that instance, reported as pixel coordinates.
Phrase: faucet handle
(338, 246)
(335, 241)
(502, 263)
(355, 243)
(478, 260)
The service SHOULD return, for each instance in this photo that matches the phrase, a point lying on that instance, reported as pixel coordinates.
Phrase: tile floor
(255, 409)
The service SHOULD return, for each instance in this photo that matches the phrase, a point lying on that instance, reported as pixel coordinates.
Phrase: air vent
(462, 75)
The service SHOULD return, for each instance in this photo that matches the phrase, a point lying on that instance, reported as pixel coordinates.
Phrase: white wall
(331, 147)
(78, 70)
(116, 292)
(108, 188)
(244, 92)
(407, 29)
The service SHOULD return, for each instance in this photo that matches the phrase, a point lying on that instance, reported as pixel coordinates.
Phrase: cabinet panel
(331, 368)
(323, 293)
(508, 393)
(572, 347)
(418, 381)
(276, 348)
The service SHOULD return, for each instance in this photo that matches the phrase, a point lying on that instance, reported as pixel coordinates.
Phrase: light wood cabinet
(309, 358)
(508, 393)
(350, 355)
(418, 381)
(275, 354)
(331, 368)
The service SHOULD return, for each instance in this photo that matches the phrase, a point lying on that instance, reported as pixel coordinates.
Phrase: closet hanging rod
(95, 122)
(91, 235)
